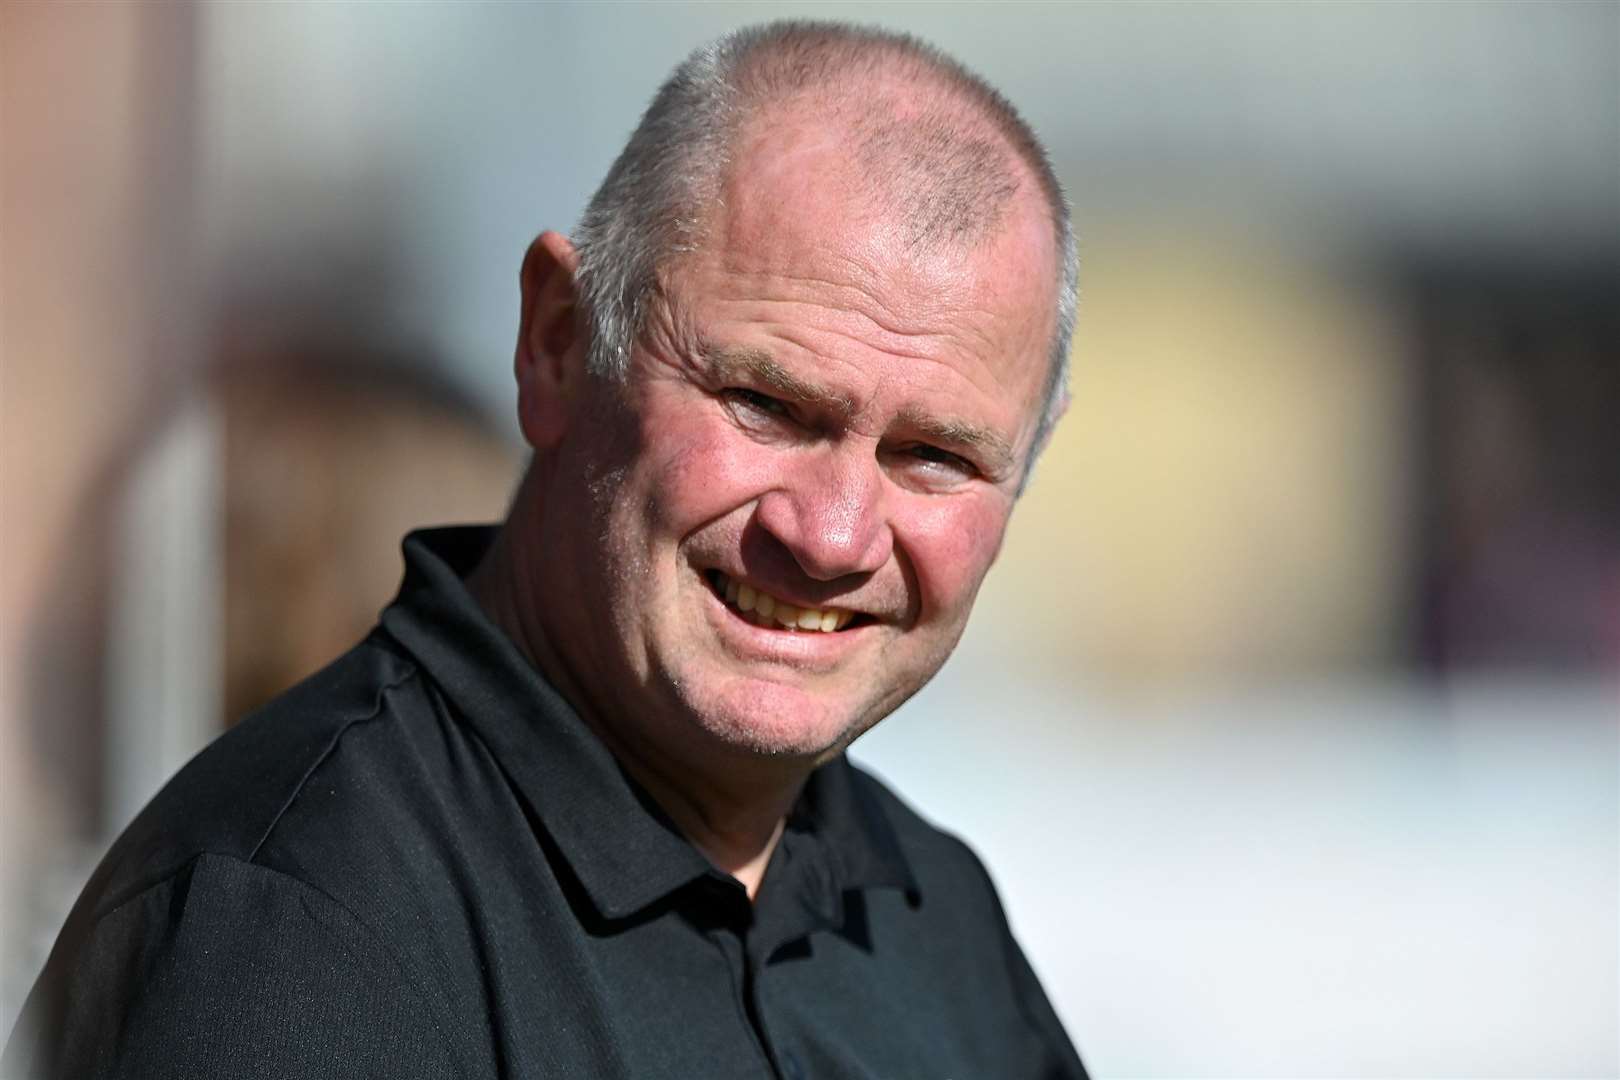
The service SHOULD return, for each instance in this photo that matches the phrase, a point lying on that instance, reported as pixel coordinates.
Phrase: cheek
(703, 470)
(951, 546)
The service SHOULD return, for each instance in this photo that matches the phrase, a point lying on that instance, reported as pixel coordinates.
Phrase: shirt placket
(800, 898)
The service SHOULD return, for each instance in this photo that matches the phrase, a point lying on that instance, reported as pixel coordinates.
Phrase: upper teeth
(766, 610)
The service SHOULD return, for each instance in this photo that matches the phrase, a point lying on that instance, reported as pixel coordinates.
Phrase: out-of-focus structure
(1299, 679)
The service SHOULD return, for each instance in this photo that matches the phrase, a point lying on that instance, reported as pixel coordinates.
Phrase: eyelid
(956, 460)
(948, 461)
(757, 400)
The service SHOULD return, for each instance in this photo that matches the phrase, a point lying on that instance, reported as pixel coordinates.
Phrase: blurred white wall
(1307, 879)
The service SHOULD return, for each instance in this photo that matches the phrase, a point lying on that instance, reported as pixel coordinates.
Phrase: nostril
(831, 524)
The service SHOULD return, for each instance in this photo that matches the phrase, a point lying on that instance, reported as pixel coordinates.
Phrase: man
(578, 807)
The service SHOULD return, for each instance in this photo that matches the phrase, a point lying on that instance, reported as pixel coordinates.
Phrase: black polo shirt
(421, 863)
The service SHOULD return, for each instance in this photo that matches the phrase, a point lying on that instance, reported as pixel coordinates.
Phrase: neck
(736, 828)
(731, 810)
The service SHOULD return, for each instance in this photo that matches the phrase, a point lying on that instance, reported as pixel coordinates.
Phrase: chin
(769, 720)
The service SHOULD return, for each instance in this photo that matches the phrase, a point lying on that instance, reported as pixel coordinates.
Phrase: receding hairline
(881, 86)
(797, 58)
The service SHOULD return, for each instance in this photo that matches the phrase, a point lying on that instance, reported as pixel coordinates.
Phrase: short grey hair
(653, 205)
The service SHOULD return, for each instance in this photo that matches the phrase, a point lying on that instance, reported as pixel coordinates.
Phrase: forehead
(804, 229)
(879, 199)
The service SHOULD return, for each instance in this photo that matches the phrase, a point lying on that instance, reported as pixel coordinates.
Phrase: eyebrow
(743, 364)
(732, 364)
(964, 433)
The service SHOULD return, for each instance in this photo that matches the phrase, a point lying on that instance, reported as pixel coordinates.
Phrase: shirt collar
(624, 851)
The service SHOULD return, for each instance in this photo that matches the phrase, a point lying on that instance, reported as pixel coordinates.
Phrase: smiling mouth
(762, 609)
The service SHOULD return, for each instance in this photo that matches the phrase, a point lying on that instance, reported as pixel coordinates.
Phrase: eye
(935, 455)
(743, 399)
(940, 464)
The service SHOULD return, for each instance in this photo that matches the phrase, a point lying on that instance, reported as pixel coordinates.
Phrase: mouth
(759, 607)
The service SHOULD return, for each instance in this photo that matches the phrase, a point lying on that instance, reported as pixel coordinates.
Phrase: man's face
(820, 423)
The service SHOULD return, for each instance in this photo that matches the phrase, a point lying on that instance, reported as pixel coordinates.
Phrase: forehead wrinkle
(733, 363)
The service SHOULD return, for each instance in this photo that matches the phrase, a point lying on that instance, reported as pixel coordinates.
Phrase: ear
(550, 362)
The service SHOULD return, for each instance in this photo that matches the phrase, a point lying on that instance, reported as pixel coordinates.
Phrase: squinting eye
(933, 455)
(755, 400)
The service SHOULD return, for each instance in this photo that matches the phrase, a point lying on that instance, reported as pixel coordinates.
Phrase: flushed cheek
(951, 547)
(705, 471)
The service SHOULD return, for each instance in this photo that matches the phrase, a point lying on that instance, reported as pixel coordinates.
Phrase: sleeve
(228, 969)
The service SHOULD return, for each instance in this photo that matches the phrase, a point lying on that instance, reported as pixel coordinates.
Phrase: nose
(828, 511)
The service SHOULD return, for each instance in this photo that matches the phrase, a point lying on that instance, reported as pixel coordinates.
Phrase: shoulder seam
(337, 736)
(111, 903)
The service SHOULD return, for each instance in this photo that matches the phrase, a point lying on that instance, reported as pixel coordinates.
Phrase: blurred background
(1289, 722)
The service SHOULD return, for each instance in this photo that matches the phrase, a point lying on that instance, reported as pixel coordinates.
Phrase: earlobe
(550, 361)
